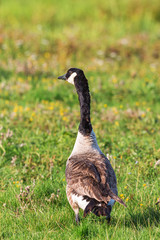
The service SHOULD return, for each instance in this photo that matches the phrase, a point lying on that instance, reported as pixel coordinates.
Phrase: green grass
(117, 44)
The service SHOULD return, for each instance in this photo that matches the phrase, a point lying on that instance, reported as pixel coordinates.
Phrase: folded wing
(87, 179)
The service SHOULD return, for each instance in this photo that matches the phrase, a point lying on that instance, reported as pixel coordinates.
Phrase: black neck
(82, 88)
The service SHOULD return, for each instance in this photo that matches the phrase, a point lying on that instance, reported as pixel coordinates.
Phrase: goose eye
(70, 73)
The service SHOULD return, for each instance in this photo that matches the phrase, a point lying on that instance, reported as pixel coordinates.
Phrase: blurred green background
(92, 34)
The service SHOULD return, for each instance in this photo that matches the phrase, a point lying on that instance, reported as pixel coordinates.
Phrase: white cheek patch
(71, 78)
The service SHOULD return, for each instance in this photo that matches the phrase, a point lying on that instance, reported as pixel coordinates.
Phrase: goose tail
(116, 198)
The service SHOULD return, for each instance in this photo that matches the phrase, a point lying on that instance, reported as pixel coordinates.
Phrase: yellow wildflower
(15, 110)
(143, 115)
(122, 196)
(114, 79)
(117, 123)
(127, 199)
(27, 109)
(144, 185)
(64, 119)
(61, 112)
(50, 108)
(20, 109)
(114, 109)
(47, 55)
(105, 105)
(20, 79)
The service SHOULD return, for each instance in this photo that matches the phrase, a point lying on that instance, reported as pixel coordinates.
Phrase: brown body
(91, 176)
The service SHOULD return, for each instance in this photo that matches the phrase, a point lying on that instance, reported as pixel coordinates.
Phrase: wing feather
(77, 169)
(87, 176)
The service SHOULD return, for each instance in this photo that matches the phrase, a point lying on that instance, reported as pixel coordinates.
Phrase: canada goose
(91, 181)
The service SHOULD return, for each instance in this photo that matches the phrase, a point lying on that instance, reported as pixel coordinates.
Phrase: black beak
(63, 77)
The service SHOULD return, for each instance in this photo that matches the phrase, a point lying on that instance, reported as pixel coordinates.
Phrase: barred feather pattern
(92, 177)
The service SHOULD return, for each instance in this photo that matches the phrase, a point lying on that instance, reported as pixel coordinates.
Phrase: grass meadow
(117, 44)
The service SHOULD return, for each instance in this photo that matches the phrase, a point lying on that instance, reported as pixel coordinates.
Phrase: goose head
(73, 76)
